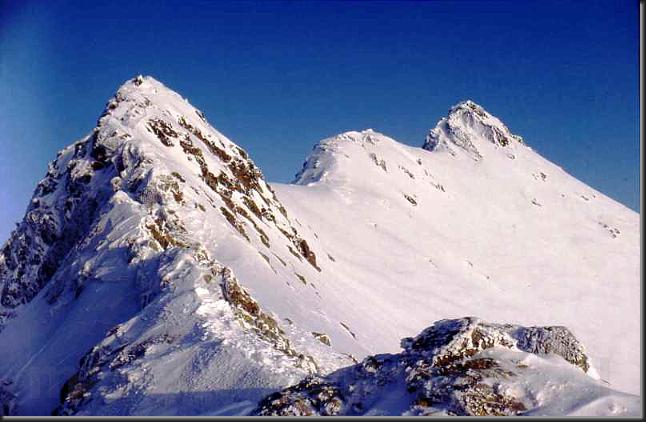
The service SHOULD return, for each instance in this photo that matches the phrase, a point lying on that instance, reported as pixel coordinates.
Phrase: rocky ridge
(460, 367)
(120, 208)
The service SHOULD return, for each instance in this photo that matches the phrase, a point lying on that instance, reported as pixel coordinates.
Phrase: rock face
(452, 340)
(464, 367)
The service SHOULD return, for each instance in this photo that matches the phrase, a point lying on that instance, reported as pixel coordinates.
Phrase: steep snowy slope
(156, 272)
(476, 223)
(124, 259)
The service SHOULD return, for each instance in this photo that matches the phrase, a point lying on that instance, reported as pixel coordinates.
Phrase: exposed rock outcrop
(454, 367)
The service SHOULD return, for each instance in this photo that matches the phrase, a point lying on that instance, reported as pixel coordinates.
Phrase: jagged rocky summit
(465, 120)
(118, 255)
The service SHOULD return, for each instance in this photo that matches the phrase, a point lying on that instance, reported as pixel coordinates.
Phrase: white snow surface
(402, 236)
(490, 237)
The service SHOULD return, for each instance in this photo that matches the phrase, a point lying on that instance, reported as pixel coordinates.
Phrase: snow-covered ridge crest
(151, 182)
(467, 125)
(321, 164)
(468, 130)
(503, 215)
(147, 139)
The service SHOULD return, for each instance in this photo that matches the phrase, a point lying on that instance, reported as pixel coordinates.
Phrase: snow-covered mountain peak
(144, 89)
(149, 143)
(152, 201)
(482, 202)
(468, 131)
(154, 253)
(467, 126)
(145, 92)
(144, 84)
(340, 157)
(468, 105)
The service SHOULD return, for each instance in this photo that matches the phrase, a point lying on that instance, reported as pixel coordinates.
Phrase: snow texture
(157, 272)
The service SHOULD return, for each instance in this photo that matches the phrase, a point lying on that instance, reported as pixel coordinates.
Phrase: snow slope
(129, 244)
(156, 272)
(476, 223)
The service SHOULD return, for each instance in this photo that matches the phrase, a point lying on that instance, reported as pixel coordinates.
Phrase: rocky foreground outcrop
(463, 367)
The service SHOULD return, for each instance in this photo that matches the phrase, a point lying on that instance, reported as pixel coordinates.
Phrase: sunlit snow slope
(476, 223)
(156, 271)
(122, 290)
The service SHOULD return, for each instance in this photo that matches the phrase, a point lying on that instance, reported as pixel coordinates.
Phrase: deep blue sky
(276, 77)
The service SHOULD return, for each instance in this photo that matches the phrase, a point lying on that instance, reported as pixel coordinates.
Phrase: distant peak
(467, 124)
(367, 135)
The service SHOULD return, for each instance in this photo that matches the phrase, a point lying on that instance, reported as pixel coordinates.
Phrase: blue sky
(276, 77)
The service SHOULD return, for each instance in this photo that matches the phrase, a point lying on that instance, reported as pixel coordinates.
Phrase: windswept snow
(145, 217)
(157, 272)
(421, 235)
